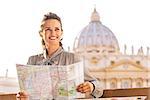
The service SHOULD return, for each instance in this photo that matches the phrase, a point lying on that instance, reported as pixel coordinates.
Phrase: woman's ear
(61, 35)
(40, 33)
(62, 32)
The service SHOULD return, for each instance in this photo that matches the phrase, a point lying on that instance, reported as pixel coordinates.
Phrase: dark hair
(51, 15)
(48, 16)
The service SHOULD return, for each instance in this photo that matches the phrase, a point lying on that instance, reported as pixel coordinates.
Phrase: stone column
(145, 84)
(118, 83)
(133, 83)
(148, 82)
(107, 84)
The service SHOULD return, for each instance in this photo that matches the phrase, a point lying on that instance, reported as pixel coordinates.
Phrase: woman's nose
(53, 32)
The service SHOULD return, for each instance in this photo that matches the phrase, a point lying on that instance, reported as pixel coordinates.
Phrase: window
(113, 85)
(126, 83)
(139, 83)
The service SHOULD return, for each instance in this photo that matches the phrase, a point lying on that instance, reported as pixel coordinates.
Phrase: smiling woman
(51, 32)
(54, 54)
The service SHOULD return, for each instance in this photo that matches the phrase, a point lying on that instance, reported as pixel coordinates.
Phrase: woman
(51, 34)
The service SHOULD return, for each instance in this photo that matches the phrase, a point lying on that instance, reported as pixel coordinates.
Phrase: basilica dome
(96, 36)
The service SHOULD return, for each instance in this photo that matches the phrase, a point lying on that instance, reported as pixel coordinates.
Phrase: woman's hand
(86, 87)
(23, 96)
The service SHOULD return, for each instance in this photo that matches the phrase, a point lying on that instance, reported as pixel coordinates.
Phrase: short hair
(51, 15)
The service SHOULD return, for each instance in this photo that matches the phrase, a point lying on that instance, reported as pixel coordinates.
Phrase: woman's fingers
(85, 87)
(23, 93)
(23, 96)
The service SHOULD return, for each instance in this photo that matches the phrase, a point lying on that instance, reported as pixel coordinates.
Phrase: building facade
(99, 49)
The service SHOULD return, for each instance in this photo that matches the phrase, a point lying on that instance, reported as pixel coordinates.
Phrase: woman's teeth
(52, 38)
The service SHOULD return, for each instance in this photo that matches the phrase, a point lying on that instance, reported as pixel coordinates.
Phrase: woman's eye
(47, 30)
(57, 29)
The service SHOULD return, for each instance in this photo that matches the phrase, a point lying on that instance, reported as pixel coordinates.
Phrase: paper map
(119, 98)
(50, 82)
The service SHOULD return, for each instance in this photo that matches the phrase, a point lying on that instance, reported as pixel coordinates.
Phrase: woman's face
(52, 32)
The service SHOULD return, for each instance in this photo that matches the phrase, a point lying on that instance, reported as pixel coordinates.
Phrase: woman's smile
(53, 37)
